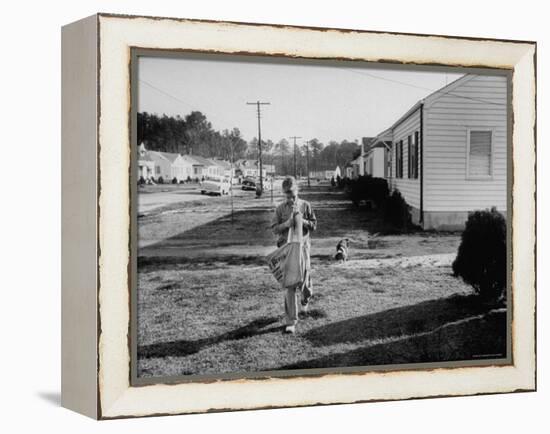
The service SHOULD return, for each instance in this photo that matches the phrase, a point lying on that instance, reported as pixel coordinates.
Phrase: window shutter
(409, 157)
(480, 153)
(416, 147)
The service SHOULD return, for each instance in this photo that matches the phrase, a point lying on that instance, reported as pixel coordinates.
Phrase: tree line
(193, 134)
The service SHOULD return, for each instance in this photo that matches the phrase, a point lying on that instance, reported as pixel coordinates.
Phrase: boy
(282, 221)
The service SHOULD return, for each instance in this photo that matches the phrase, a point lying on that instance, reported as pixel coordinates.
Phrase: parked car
(218, 186)
(251, 183)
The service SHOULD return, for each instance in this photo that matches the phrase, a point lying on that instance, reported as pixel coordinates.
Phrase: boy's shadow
(183, 348)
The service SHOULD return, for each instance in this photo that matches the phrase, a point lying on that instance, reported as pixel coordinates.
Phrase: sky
(327, 101)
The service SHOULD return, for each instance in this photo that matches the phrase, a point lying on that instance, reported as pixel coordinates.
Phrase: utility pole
(307, 163)
(295, 137)
(258, 104)
(231, 180)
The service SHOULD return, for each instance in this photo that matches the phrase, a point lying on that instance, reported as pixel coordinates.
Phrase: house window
(399, 159)
(413, 156)
(479, 162)
(157, 170)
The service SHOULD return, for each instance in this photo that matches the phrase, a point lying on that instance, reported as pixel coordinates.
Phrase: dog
(342, 250)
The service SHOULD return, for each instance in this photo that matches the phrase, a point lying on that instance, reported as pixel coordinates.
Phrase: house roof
(430, 99)
(201, 160)
(222, 163)
(171, 156)
(145, 157)
(378, 144)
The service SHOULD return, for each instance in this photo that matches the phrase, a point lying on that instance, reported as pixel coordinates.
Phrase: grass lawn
(208, 304)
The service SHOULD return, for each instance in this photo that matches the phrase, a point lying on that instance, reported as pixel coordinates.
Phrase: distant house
(205, 167)
(348, 170)
(357, 167)
(185, 167)
(325, 174)
(448, 152)
(145, 164)
(318, 174)
(197, 166)
(376, 156)
(250, 168)
(226, 168)
(165, 163)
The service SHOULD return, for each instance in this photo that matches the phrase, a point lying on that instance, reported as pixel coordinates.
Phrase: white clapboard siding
(409, 188)
(478, 103)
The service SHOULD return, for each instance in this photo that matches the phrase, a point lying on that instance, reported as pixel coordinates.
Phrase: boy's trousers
(297, 295)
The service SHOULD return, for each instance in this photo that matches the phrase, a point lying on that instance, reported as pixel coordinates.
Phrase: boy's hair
(289, 183)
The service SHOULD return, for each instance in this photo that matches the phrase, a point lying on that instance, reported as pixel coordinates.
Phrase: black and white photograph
(300, 216)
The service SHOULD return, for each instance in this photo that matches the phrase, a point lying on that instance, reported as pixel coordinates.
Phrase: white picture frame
(96, 215)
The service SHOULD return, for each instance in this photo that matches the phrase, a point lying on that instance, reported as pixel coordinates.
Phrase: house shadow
(402, 321)
(182, 348)
(252, 227)
(478, 338)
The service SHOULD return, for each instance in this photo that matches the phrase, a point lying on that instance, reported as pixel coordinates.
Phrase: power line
(420, 87)
(164, 92)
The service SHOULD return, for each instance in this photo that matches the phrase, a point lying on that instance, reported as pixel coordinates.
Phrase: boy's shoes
(290, 329)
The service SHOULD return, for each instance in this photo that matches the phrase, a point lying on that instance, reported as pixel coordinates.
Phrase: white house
(348, 170)
(184, 167)
(197, 165)
(250, 168)
(376, 157)
(357, 167)
(145, 164)
(209, 169)
(448, 152)
(226, 168)
(164, 165)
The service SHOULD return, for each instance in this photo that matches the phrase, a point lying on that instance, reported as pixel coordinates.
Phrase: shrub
(141, 180)
(160, 180)
(188, 178)
(369, 188)
(481, 258)
(397, 211)
(174, 180)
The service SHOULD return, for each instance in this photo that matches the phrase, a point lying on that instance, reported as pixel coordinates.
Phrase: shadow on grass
(400, 321)
(476, 338)
(336, 217)
(183, 348)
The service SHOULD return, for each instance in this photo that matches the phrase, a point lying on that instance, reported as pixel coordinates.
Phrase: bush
(369, 188)
(141, 180)
(481, 258)
(174, 180)
(397, 211)
(160, 180)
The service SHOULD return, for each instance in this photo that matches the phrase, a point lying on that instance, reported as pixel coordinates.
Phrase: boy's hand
(290, 222)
